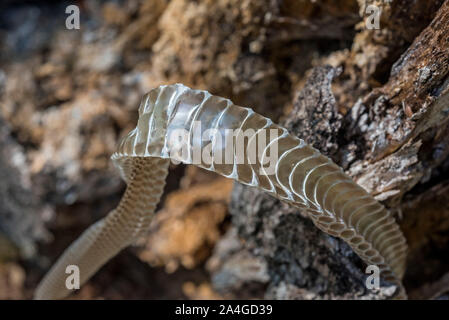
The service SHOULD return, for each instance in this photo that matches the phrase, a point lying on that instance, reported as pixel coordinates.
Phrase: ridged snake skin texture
(302, 177)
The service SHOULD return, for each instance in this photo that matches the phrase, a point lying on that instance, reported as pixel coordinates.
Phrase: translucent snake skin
(302, 177)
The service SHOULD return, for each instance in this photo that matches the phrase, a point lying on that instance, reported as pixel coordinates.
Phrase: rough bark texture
(293, 258)
(375, 101)
(384, 143)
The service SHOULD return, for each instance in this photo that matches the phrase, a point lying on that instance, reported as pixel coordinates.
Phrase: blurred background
(67, 96)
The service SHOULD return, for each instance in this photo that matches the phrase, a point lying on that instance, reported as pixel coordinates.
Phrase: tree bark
(375, 101)
(393, 141)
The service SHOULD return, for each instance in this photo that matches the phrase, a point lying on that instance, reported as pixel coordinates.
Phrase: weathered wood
(391, 141)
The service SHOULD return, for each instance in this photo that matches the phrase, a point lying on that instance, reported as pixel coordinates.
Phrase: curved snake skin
(301, 177)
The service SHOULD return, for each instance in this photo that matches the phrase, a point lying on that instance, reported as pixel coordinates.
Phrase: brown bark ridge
(392, 141)
(68, 96)
(290, 257)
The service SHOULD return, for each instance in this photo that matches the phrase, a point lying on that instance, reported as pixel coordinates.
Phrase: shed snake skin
(302, 177)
